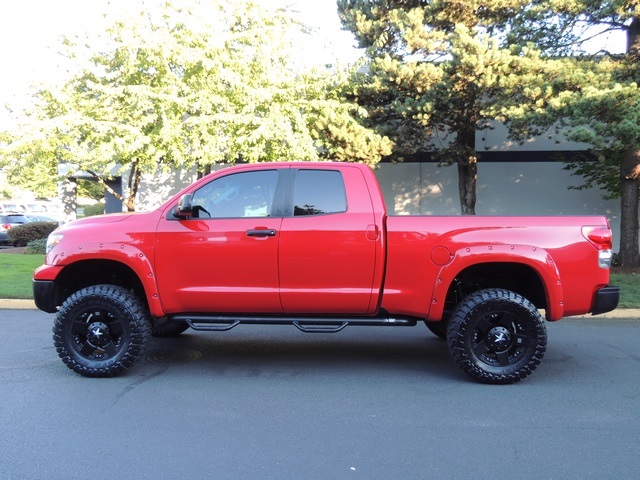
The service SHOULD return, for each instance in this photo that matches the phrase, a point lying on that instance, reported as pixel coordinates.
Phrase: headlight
(53, 240)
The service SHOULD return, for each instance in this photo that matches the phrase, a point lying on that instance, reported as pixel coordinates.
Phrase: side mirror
(184, 209)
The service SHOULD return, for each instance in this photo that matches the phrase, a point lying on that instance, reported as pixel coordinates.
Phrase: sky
(30, 32)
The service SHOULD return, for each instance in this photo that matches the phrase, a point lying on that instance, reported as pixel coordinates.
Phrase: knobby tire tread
(107, 295)
(460, 324)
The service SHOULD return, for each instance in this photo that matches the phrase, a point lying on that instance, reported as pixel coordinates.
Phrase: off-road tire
(101, 330)
(496, 336)
(168, 329)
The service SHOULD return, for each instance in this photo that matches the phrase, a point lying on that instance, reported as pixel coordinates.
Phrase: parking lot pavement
(270, 402)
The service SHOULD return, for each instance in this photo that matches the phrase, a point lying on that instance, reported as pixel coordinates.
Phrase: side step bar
(221, 323)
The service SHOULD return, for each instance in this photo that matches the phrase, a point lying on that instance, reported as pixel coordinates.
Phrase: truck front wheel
(101, 330)
(497, 336)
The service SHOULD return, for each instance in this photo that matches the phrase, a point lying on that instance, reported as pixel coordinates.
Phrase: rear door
(328, 243)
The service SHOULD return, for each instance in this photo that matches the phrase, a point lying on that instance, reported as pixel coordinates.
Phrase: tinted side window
(247, 194)
(319, 192)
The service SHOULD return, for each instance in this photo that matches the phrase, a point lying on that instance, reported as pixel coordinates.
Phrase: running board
(221, 323)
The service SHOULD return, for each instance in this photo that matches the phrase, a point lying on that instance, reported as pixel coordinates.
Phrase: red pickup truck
(311, 245)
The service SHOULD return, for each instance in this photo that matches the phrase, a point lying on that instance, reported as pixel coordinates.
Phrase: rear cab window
(319, 192)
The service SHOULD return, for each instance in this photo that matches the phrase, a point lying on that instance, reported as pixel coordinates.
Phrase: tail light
(6, 226)
(601, 238)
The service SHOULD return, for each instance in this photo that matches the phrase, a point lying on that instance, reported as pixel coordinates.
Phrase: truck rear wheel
(101, 330)
(497, 336)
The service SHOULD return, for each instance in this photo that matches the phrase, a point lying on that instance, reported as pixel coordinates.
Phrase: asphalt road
(366, 403)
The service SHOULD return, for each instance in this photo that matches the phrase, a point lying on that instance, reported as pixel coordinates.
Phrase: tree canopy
(440, 70)
(435, 70)
(202, 82)
(594, 97)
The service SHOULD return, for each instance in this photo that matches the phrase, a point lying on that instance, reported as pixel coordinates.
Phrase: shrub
(615, 261)
(37, 247)
(21, 235)
(91, 210)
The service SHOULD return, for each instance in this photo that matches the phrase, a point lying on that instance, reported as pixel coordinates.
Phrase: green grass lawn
(630, 285)
(16, 271)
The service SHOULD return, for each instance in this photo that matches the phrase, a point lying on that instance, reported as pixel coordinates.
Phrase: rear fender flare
(536, 258)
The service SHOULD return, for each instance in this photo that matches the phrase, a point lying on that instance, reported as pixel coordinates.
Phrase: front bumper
(45, 295)
(607, 299)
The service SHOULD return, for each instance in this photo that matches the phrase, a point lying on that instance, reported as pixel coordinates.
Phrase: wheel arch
(525, 270)
(96, 271)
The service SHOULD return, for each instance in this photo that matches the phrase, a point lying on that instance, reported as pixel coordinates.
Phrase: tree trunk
(467, 168)
(629, 174)
(633, 38)
(106, 186)
(134, 184)
(629, 200)
(467, 179)
(202, 170)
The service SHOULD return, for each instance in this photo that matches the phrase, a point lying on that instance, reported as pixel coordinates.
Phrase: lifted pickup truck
(311, 245)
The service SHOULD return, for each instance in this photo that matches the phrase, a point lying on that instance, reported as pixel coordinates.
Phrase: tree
(594, 97)
(199, 83)
(434, 72)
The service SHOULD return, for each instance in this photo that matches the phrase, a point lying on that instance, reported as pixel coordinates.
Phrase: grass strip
(630, 285)
(16, 272)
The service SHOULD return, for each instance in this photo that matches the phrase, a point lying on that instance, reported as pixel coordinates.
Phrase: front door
(225, 260)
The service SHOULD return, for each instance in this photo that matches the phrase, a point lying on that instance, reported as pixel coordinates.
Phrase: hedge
(91, 210)
(21, 235)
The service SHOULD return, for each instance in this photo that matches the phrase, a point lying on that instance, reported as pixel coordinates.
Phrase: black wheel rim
(97, 334)
(499, 339)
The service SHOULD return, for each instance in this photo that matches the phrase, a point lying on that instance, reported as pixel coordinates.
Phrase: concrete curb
(17, 304)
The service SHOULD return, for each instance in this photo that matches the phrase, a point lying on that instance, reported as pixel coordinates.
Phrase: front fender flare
(536, 258)
(123, 253)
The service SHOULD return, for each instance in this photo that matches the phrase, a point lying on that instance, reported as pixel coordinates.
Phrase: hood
(97, 220)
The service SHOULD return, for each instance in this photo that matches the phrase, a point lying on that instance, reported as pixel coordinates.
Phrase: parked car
(48, 209)
(9, 221)
(4, 236)
(41, 218)
(38, 207)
